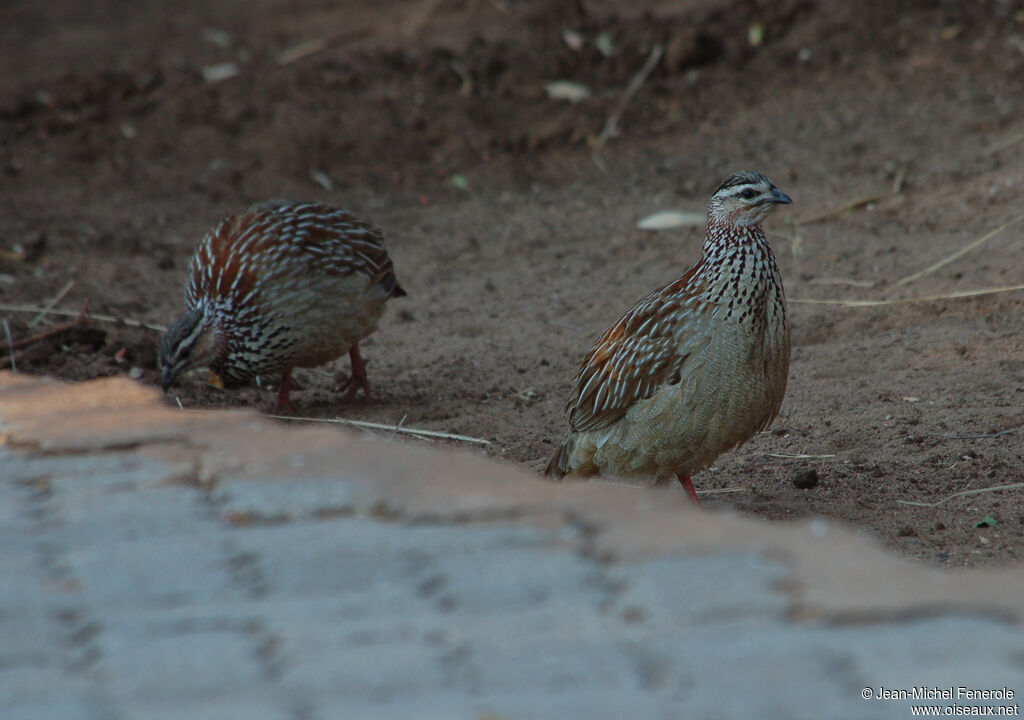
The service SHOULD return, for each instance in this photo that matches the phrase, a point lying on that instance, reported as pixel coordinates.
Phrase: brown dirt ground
(116, 155)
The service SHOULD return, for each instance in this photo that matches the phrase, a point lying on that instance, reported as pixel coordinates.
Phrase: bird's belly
(722, 402)
(329, 327)
(314, 324)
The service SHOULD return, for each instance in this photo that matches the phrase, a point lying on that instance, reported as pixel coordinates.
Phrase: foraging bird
(695, 368)
(279, 286)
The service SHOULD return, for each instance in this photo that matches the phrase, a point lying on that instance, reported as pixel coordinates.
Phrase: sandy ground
(128, 129)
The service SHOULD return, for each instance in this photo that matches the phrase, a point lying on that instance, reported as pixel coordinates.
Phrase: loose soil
(128, 128)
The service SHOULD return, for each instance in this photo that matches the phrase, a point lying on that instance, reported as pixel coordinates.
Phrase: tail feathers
(391, 286)
(558, 466)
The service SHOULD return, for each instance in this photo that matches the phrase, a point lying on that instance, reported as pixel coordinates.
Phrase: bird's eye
(748, 194)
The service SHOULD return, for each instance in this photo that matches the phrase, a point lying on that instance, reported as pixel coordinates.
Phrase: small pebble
(806, 480)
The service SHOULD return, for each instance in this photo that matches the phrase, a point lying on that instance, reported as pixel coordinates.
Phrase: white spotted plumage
(278, 286)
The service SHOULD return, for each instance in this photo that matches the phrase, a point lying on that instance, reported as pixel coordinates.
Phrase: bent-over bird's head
(189, 343)
(745, 198)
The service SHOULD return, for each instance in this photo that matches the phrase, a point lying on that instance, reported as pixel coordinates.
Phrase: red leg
(284, 403)
(358, 377)
(687, 484)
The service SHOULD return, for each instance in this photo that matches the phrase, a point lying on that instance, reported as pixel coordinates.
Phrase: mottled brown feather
(328, 240)
(633, 359)
(277, 286)
(695, 368)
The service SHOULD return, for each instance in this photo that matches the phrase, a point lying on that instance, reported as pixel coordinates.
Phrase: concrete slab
(158, 563)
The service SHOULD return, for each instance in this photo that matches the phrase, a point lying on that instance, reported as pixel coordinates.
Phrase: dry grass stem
(959, 253)
(393, 429)
(899, 301)
(842, 210)
(897, 182)
(398, 426)
(796, 243)
(723, 491)
(797, 456)
(88, 316)
(52, 303)
(846, 208)
(982, 436)
(842, 281)
(80, 319)
(310, 47)
(795, 240)
(962, 493)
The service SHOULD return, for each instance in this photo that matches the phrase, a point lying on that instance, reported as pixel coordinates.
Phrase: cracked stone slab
(162, 563)
(239, 455)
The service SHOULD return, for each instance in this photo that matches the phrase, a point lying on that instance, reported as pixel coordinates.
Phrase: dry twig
(399, 428)
(80, 319)
(611, 125)
(88, 316)
(962, 493)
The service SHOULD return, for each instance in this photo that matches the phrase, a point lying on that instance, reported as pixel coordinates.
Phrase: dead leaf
(667, 219)
(573, 92)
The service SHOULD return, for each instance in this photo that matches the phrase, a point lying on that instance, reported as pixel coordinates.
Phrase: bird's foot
(358, 377)
(284, 402)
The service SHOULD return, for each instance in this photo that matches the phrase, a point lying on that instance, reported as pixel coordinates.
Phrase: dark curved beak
(780, 198)
(167, 377)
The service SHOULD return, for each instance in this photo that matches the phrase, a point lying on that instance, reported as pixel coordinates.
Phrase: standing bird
(695, 368)
(279, 286)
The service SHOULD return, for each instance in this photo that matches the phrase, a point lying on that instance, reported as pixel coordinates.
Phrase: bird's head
(190, 342)
(745, 198)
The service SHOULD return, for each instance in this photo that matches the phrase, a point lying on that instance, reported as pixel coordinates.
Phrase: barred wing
(645, 350)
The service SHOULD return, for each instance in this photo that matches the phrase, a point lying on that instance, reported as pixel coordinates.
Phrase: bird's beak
(780, 198)
(167, 377)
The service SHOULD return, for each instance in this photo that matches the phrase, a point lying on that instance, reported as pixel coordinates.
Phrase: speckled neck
(741, 271)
